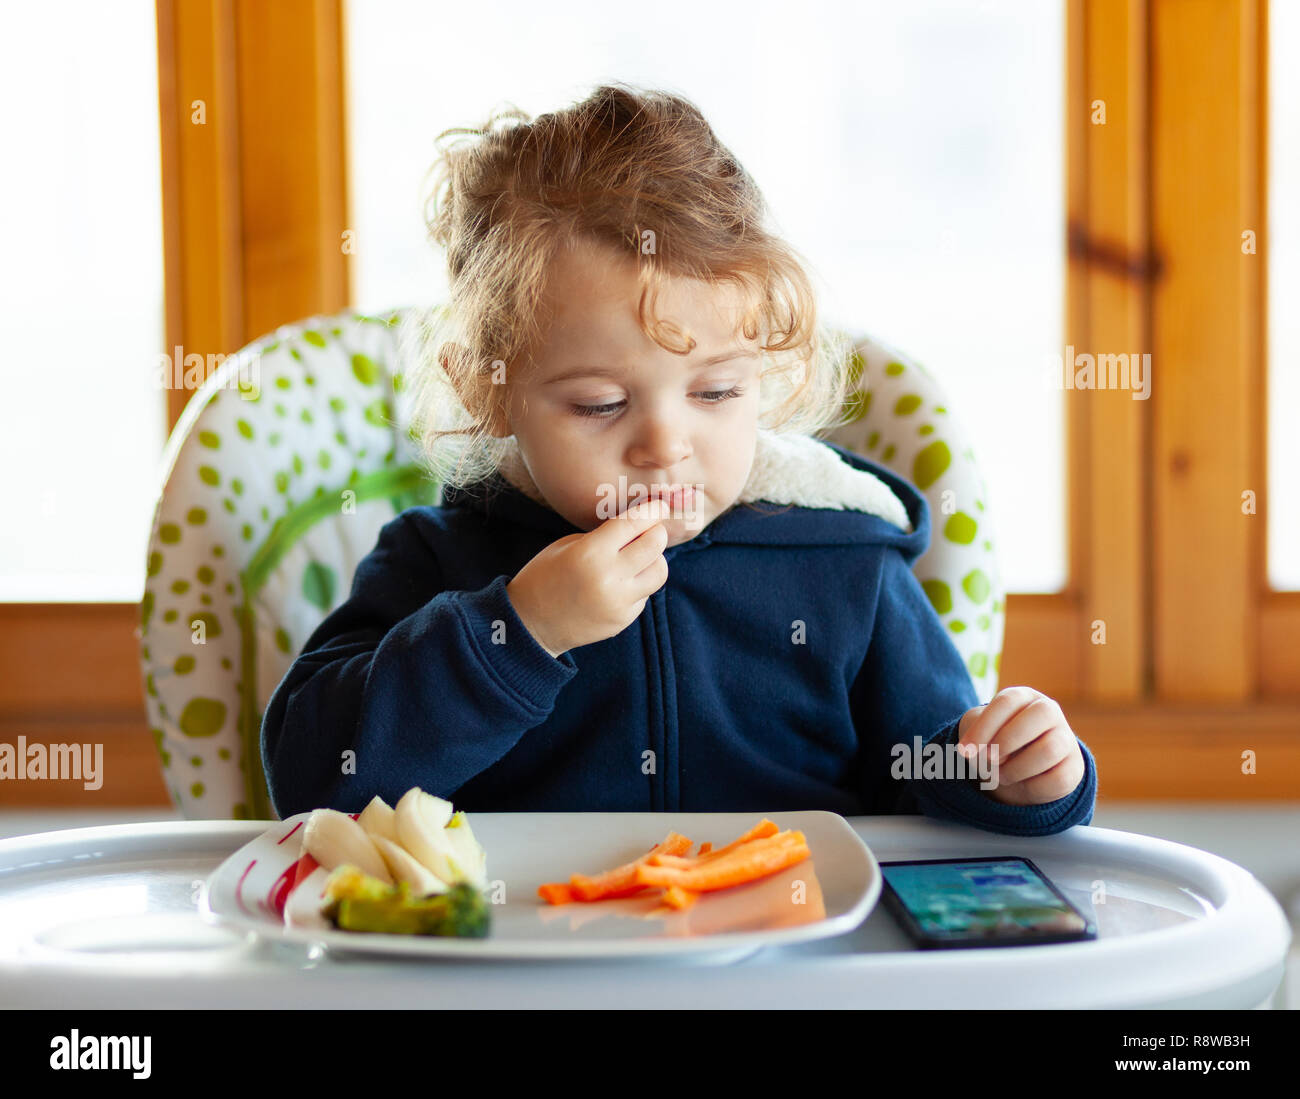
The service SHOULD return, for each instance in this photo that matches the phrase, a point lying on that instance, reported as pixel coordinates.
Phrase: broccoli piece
(349, 882)
(460, 912)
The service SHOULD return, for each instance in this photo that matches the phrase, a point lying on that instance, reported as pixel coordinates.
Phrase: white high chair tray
(108, 917)
(828, 893)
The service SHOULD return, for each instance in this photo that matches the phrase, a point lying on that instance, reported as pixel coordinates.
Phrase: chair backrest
(287, 462)
(902, 420)
(279, 474)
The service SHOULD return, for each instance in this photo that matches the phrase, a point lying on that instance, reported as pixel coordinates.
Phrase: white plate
(827, 894)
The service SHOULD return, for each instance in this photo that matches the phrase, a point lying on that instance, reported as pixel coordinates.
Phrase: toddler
(648, 586)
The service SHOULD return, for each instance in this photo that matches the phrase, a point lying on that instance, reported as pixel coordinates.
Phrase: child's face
(670, 420)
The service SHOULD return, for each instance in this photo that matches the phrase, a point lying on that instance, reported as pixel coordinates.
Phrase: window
(988, 162)
(84, 417)
(913, 153)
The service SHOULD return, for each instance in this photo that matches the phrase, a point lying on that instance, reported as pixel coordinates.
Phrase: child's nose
(661, 445)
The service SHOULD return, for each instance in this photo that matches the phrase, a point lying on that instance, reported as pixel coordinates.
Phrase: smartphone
(995, 901)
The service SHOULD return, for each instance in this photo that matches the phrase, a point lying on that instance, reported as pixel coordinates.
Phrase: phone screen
(984, 899)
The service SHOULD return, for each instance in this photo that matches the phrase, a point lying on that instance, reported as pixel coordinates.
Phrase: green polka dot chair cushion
(901, 420)
(286, 464)
(279, 475)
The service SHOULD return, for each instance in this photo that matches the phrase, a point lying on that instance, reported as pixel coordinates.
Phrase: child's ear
(483, 392)
(498, 425)
(492, 407)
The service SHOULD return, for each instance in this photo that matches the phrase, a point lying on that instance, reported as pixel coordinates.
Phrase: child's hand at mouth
(1038, 757)
(584, 588)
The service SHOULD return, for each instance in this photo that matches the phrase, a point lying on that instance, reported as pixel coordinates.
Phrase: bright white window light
(914, 153)
(83, 419)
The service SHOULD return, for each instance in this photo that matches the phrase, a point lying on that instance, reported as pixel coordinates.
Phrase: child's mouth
(678, 497)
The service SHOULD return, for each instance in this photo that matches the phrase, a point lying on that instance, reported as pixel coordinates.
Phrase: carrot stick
(756, 860)
(622, 880)
(555, 892)
(679, 898)
(677, 862)
(762, 830)
(672, 853)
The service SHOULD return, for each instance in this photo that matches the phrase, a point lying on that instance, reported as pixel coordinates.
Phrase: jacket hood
(801, 491)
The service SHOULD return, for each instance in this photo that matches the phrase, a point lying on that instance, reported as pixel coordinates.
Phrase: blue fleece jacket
(789, 650)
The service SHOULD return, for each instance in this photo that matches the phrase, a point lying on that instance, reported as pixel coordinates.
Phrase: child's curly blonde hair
(638, 170)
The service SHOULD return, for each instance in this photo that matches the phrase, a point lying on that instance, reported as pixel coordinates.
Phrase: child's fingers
(650, 579)
(1024, 727)
(1004, 705)
(966, 719)
(615, 533)
(643, 551)
(1053, 783)
(1044, 753)
(642, 565)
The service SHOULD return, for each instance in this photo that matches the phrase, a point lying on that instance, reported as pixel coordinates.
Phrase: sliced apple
(379, 820)
(422, 829)
(467, 854)
(334, 839)
(407, 869)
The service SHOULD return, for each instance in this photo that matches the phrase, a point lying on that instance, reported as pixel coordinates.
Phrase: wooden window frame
(1191, 674)
(254, 208)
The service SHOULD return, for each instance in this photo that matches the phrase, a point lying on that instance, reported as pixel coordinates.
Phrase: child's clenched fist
(1038, 757)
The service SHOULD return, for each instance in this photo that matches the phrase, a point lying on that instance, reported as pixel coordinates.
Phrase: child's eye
(711, 396)
(596, 409)
(720, 395)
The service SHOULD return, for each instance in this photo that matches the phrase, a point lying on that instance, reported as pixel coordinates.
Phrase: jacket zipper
(669, 792)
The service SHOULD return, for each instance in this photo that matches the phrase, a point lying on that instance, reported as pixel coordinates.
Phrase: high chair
(284, 466)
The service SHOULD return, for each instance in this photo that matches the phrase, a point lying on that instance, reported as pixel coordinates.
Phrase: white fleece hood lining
(798, 470)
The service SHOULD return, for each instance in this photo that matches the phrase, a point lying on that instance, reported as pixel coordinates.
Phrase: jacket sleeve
(913, 685)
(403, 685)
